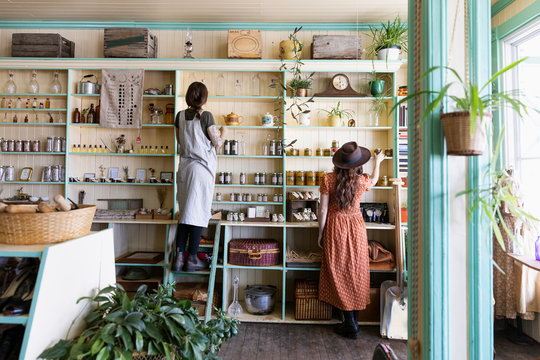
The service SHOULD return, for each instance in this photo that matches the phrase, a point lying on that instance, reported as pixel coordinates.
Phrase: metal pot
(88, 87)
(260, 299)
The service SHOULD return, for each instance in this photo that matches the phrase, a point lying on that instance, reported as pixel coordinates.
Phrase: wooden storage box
(372, 312)
(336, 47)
(131, 286)
(197, 293)
(294, 205)
(41, 45)
(129, 43)
(307, 303)
(244, 44)
(254, 252)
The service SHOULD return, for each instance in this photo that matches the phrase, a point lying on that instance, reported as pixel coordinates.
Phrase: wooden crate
(307, 305)
(197, 293)
(336, 47)
(294, 205)
(244, 44)
(129, 43)
(41, 45)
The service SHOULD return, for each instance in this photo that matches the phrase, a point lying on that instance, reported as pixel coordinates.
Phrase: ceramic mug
(305, 119)
(268, 119)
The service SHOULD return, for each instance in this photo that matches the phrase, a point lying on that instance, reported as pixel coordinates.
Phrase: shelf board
(372, 128)
(30, 109)
(339, 98)
(32, 153)
(117, 154)
(275, 267)
(135, 222)
(249, 185)
(153, 279)
(158, 96)
(318, 269)
(247, 203)
(192, 273)
(143, 125)
(84, 95)
(275, 316)
(29, 94)
(321, 157)
(33, 182)
(307, 224)
(317, 186)
(237, 98)
(22, 319)
(251, 224)
(8, 250)
(121, 183)
(160, 264)
(256, 127)
(250, 156)
(31, 124)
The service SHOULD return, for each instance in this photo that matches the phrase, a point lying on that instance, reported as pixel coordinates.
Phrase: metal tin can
(327, 152)
(265, 198)
(279, 148)
(234, 147)
(262, 178)
(36, 146)
(57, 144)
(18, 146)
(11, 145)
(308, 152)
(310, 178)
(218, 196)
(259, 197)
(274, 179)
(26, 145)
(221, 178)
(272, 148)
(335, 144)
(47, 171)
(275, 198)
(256, 179)
(50, 144)
(280, 178)
(9, 173)
(226, 147)
(318, 152)
(318, 177)
(232, 197)
(228, 178)
(248, 198)
(243, 178)
(299, 178)
(4, 146)
(55, 174)
(238, 196)
(290, 177)
(63, 144)
(280, 198)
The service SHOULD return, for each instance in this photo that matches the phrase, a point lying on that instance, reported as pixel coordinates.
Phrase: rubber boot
(350, 328)
(338, 327)
(195, 264)
(179, 262)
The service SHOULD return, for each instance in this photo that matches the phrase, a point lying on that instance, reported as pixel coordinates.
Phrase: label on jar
(274, 179)
(279, 148)
(221, 178)
(242, 178)
(256, 179)
(226, 147)
(290, 178)
(234, 147)
(228, 179)
(18, 146)
(299, 178)
(262, 178)
(218, 196)
(272, 148)
(280, 179)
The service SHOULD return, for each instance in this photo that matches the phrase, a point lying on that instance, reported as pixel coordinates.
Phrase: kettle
(232, 119)
(268, 119)
(88, 87)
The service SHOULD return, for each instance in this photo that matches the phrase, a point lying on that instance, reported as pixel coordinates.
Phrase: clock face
(340, 82)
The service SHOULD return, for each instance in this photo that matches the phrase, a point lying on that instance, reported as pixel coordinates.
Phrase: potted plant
(376, 85)
(299, 86)
(378, 106)
(291, 49)
(336, 115)
(465, 128)
(389, 41)
(153, 324)
(403, 211)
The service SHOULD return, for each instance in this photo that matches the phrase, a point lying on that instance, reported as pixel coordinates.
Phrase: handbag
(380, 258)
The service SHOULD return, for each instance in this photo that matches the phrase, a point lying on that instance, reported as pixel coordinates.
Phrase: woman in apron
(344, 276)
(198, 138)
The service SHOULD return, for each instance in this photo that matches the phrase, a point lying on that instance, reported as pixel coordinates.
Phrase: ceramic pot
(286, 50)
(304, 119)
(301, 92)
(233, 119)
(376, 87)
(334, 121)
(389, 53)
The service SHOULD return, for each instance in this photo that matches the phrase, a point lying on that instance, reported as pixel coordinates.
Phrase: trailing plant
(149, 323)
(337, 111)
(378, 104)
(390, 33)
(299, 83)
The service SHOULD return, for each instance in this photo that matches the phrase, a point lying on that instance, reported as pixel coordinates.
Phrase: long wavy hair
(346, 186)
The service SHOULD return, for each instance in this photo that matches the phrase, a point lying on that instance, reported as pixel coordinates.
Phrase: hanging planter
(390, 52)
(457, 131)
(376, 87)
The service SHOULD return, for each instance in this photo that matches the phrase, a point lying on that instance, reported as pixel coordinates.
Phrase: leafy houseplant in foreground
(152, 324)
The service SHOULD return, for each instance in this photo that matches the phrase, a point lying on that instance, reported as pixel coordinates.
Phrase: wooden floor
(265, 341)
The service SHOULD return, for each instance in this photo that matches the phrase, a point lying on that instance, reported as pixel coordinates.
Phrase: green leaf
(178, 318)
(152, 350)
(96, 346)
(91, 317)
(57, 351)
(153, 331)
(116, 316)
(103, 354)
(139, 341)
(127, 355)
(134, 319)
(126, 338)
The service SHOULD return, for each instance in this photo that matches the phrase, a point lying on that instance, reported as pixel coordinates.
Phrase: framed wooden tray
(141, 257)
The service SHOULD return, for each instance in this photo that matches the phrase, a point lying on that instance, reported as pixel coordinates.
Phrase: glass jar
(255, 85)
(308, 152)
(234, 147)
(56, 87)
(265, 198)
(228, 178)
(275, 198)
(384, 181)
(11, 88)
(18, 146)
(310, 178)
(9, 173)
(280, 178)
(318, 177)
(232, 197)
(36, 146)
(319, 152)
(226, 147)
(262, 178)
(289, 177)
(169, 114)
(274, 180)
(256, 179)
(243, 178)
(299, 178)
(47, 171)
(220, 85)
(248, 197)
(327, 152)
(221, 178)
(218, 196)
(26, 145)
(279, 148)
(10, 145)
(259, 197)
(33, 86)
(272, 148)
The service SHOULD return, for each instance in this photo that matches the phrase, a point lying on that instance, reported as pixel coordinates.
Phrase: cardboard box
(244, 44)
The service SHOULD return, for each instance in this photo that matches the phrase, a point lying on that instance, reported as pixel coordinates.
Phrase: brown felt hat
(350, 155)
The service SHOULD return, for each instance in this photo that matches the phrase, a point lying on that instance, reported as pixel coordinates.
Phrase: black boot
(338, 327)
(178, 262)
(350, 327)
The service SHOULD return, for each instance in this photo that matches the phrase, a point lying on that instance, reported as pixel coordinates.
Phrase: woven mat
(121, 98)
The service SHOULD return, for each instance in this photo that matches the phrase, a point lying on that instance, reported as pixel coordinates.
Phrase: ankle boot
(339, 326)
(179, 262)
(350, 328)
(195, 264)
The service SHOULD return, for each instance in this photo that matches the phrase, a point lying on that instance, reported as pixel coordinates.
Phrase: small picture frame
(113, 173)
(166, 177)
(141, 176)
(25, 174)
(259, 211)
(90, 176)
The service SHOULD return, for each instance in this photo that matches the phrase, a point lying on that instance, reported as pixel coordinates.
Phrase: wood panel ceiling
(290, 11)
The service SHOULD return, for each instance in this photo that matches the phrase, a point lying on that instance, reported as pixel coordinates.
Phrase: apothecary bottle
(237, 88)
(255, 85)
(91, 117)
(56, 87)
(76, 116)
(220, 85)
(11, 88)
(33, 86)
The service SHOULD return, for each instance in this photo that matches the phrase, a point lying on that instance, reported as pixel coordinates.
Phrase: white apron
(196, 173)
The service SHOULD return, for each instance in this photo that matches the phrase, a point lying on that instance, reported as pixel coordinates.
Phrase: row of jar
(247, 197)
(19, 104)
(52, 173)
(238, 147)
(53, 144)
(308, 178)
(259, 178)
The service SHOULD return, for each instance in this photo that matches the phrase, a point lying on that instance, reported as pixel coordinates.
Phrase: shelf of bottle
(32, 124)
(33, 182)
(247, 203)
(32, 153)
(238, 98)
(117, 154)
(22, 319)
(143, 125)
(90, 95)
(30, 94)
(256, 127)
(158, 96)
(340, 98)
(322, 157)
(372, 128)
(317, 186)
(249, 185)
(118, 183)
(251, 156)
(30, 109)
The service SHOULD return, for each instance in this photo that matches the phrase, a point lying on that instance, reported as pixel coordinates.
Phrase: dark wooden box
(294, 205)
(41, 45)
(129, 43)
(336, 47)
(372, 313)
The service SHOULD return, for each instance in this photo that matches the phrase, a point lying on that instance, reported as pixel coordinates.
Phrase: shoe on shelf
(195, 264)
(10, 343)
(21, 306)
(16, 287)
(178, 262)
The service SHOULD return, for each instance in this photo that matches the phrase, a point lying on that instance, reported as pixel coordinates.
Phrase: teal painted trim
(68, 134)
(239, 97)
(225, 286)
(177, 104)
(30, 94)
(196, 26)
(519, 20)
(158, 96)
(31, 110)
(246, 203)
(33, 153)
(119, 154)
(277, 267)
(213, 269)
(249, 156)
(372, 128)
(21, 320)
(20, 253)
(283, 273)
(32, 124)
(341, 98)
(166, 256)
(256, 127)
(118, 184)
(33, 183)
(248, 185)
(140, 264)
(500, 6)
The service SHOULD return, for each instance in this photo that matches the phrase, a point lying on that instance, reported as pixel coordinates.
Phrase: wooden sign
(244, 44)
(336, 47)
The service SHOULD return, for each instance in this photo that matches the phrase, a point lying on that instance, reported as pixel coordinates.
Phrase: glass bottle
(76, 116)
(60, 118)
(11, 88)
(255, 85)
(74, 149)
(237, 88)
(33, 86)
(18, 105)
(220, 85)
(34, 104)
(56, 87)
(27, 104)
(3, 104)
(9, 104)
(15, 118)
(91, 116)
(26, 118)
(47, 103)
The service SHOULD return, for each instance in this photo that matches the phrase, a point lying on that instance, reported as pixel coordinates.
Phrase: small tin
(234, 147)
(47, 173)
(221, 178)
(11, 145)
(265, 198)
(280, 178)
(280, 197)
(9, 173)
(275, 198)
(272, 148)
(279, 148)
(26, 145)
(259, 197)
(18, 146)
(318, 152)
(256, 180)
(262, 178)
(274, 179)
(248, 198)
(57, 144)
(243, 178)
(50, 144)
(4, 146)
(218, 196)
(299, 178)
(228, 178)
(226, 147)
(327, 152)
(36, 146)
(290, 177)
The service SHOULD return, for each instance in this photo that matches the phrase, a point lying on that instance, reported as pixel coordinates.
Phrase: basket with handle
(254, 252)
(46, 228)
(307, 303)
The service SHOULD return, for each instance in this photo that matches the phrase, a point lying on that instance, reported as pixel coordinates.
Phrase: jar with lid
(228, 178)
(4, 146)
(275, 198)
(384, 181)
(335, 146)
(226, 147)
(280, 198)
(262, 178)
(36, 146)
(221, 178)
(232, 197)
(274, 179)
(256, 179)
(50, 144)
(299, 178)
(9, 173)
(310, 178)
(18, 146)
(169, 113)
(265, 198)
(327, 152)
(290, 177)
(248, 198)
(280, 178)
(238, 196)
(244, 197)
(308, 152)
(319, 152)
(57, 144)
(55, 173)
(259, 197)
(26, 145)
(318, 177)
(47, 173)
(234, 147)
(279, 148)
(218, 196)
(272, 148)
(243, 178)
(10, 145)
(296, 152)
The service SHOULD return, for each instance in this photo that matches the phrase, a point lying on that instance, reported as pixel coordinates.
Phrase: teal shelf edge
(308, 157)
(20, 253)
(341, 98)
(33, 182)
(118, 154)
(90, 95)
(238, 97)
(373, 128)
(29, 94)
(158, 96)
(115, 183)
(316, 186)
(302, 269)
(194, 273)
(22, 320)
(28, 110)
(249, 185)
(143, 125)
(139, 264)
(278, 267)
(250, 156)
(247, 203)
(259, 127)
(32, 124)
(33, 153)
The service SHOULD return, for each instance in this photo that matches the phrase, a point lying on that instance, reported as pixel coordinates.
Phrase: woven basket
(307, 305)
(46, 228)
(254, 252)
(457, 131)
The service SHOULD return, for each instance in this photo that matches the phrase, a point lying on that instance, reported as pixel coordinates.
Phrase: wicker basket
(307, 305)
(457, 131)
(254, 252)
(46, 228)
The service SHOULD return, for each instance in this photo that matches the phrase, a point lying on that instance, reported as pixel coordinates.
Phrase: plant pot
(389, 53)
(301, 92)
(457, 131)
(403, 215)
(334, 121)
(286, 50)
(376, 87)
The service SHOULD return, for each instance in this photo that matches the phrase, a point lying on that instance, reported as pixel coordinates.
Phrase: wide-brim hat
(351, 155)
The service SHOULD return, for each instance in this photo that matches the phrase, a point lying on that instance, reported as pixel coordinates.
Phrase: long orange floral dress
(344, 277)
